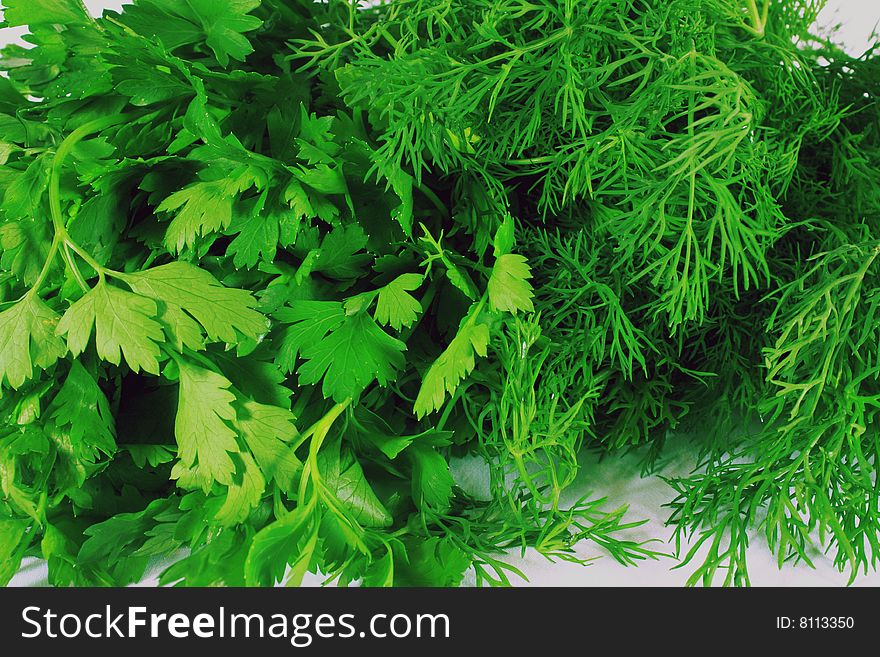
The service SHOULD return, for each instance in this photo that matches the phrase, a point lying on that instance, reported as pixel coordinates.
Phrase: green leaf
(381, 572)
(339, 255)
(124, 322)
(431, 481)
(24, 194)
(205, 438)
(290, 539)
(223, 312)
(244, 494)
(431, 562)
(28, 340)
(341, 472)
(14, 539)
(509, 289)
(152, 455)
(257, 240)
(347, 352)
(308, 323)
(202, 208)
(316, 133)
(453, 365)
(82, 407)
(395, 307)
(36, 12)
(148, 85)
(504, 237)
(25, 247)
(402, 184)
(322, 178)
(267, 430)
(256, 379)
(221, 24)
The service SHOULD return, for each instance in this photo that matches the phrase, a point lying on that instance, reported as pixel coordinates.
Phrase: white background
(618, 479)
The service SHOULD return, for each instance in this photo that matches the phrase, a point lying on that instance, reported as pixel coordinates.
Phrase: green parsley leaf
(224, 313)
(36, 12)
(347, 351)
(431, 483)
(395, 307)
(244, 492)
(205, 437)
(344, 478)
(221, 24)
(82, 408)
(454, 364)
(509, 289)
(27, 340)
(124, 323)
(268, 430)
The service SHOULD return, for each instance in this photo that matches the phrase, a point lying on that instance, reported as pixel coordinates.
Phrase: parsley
(268, 267)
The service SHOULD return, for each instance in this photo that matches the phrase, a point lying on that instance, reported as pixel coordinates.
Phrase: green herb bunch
(233, 332)
(268, 267)
(695, 189)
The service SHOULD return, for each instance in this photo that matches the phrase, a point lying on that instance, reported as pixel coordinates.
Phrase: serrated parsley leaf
(36, 12)
(202, 208)
(205, 437)
(244, 492)
(24, 246)
(344, 477)
(14, 539)
(223, 312)
(431, 481)
(124, 323)
(434, 562)
(453, 365)
(154, 455)
(395, 307)
(347, 352)
(274, 545)
(23, 192)
(82, 408)
(509, 287)
(322, 178)
(221, 24)
(257, 240)
(27, 339)
(340, 254)
(307, 323)
(267, 430)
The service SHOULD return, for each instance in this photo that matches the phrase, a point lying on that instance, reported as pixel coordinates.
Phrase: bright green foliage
(36, 12)
(395, 306)
(347, 352)
(228, 323)
(27, 339)
(269, 266)
(123, 322)
(509, 289)
(202, 426)
(223, 313)
(454, 364)
(218, 24)
(694, 185)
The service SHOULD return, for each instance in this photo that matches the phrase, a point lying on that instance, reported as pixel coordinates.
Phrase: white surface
(618, 479)
(856, 22)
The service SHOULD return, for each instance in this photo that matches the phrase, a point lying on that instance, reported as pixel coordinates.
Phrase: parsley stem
(71, 265)
(318, 432)
(61, 237)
